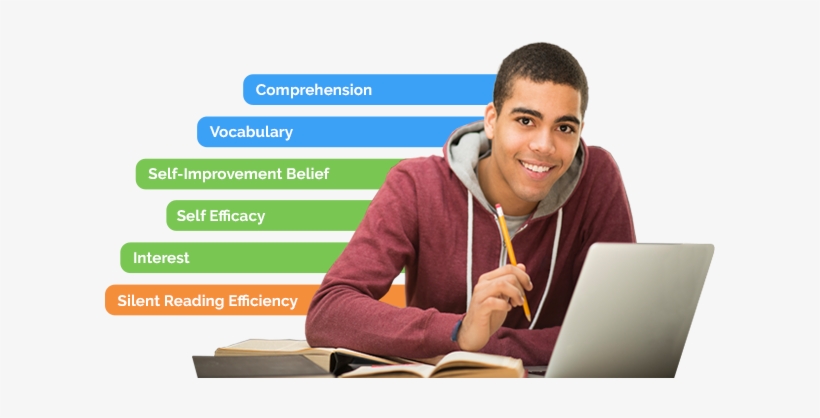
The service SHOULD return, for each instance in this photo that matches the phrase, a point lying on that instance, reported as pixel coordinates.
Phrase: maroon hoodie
(418, 221)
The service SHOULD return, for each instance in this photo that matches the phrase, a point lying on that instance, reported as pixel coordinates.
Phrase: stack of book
(282, 358)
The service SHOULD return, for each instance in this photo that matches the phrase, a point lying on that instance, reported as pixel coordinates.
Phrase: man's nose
(543, 143)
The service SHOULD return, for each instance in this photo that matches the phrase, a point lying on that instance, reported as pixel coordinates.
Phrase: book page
(468, 364)
(290, 346)
(398, 370)
(459, 364)
(320, 356)
(458, 358)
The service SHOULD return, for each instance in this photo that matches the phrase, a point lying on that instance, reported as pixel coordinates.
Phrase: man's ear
(490, 117)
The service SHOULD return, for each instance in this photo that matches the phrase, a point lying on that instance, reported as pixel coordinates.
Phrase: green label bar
(265, 215)
(229, 257)
(324, 174)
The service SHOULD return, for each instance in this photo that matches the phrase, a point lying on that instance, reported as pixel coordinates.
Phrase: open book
(455, 364)
(334, 360)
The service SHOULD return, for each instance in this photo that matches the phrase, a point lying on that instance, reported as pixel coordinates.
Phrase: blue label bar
(369, 89)
(327, 131)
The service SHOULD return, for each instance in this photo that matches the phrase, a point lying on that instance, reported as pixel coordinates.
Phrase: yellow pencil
(507, 240)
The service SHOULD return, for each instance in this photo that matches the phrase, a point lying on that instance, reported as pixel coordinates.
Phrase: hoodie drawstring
(552, 266)
(470, 256)
(469, 247)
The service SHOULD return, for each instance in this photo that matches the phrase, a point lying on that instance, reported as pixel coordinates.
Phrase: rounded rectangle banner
(200, 299)
(368, 89)
(328, 131)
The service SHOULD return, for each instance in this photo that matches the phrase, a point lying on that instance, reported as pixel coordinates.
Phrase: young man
(435, 217)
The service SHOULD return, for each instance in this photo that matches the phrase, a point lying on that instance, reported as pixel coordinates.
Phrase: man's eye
(525, 121)
(566, 129)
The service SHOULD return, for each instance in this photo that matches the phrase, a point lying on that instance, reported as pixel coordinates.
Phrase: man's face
(534, 140)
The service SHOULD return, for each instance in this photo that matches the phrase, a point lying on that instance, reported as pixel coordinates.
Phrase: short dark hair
(540, 62)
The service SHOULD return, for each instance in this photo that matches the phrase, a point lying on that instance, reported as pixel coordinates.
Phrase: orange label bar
(151, 299)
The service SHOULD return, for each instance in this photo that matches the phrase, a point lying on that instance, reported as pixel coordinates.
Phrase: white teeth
(536, 168)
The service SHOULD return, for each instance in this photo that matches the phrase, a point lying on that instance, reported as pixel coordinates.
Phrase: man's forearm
(343, 316)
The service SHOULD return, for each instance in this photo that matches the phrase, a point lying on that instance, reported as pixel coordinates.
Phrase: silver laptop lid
(631, 310)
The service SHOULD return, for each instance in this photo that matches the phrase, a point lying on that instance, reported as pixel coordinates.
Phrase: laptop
(631, 310)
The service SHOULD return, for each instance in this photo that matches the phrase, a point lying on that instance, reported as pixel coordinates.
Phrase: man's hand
(496, 293)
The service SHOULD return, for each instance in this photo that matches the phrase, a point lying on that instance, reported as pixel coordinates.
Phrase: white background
(710, 109)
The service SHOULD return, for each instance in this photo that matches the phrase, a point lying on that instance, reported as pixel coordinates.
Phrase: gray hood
(469, 143)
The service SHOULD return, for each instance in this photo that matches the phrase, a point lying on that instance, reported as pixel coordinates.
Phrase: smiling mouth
(535, 168)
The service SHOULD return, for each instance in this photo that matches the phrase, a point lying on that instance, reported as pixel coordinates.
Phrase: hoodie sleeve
(606, 217)
(346, 311)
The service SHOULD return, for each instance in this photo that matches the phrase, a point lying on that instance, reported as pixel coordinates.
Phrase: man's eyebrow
(568, 118)
(526, 111)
